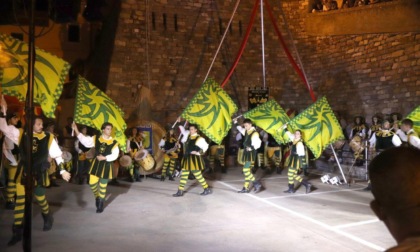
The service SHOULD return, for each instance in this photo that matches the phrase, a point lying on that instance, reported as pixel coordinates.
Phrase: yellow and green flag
(93, 108)
(49, 74)
(319, 126)
(269, 116)
(212, 110)
(415, 117)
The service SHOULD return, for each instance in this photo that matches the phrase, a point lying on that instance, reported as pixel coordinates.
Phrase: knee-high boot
(17, 235)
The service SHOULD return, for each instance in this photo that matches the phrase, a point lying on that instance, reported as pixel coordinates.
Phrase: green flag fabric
(319, 126)
(49, 74)
(415, 117)
(93, 108)
(212, 110)
(269, 116)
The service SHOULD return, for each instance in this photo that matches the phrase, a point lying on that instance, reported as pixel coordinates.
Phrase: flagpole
(27, 227)
(338, 163)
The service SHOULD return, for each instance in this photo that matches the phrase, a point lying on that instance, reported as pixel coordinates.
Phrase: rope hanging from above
(241, 49)
(289, 55)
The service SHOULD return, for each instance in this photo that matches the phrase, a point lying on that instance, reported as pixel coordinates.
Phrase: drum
(339, 144)
(213, 150)
(125, 161)
(145, 160)
(67, 157)
(356, 144)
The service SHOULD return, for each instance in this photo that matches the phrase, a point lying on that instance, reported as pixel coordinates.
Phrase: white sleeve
(238, 136)
(241, 129)
(114, 155)
(255, 140)
(55, 152)
(128, 145)
(161, 143)
(87, 141)
(402, 135)
(300, 149)
(414, 141)
(290, 136)
(396, 141)
(185, 133)
(76, 146)
(201, 142)
(9, 131)
(372, 141)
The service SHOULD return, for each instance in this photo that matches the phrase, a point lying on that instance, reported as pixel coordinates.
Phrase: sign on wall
(257, 96)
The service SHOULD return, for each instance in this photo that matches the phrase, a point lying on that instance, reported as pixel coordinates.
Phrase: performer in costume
(395, 121)
(169, 145)
(411, 135)
(10, 161)
(43, 145)
(296, 161)
(273, 154)
(52, 170)
(251, 142)
(358, 134)
(134, 144)
(217, 152)
(194, 147)
(382, 140)
(106, 152)
(83, 163)
(375, 126)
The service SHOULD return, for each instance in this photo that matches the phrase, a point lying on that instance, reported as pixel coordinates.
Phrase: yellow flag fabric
(49, 74)
(212, 110)
(93, 108)
(415, 117)
(269, 116)
(319, 126)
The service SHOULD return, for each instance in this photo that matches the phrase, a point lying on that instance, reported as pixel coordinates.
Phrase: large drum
(356, 144)
(125, 161)
(145, 160)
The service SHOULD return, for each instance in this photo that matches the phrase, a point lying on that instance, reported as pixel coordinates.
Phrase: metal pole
(262, 42)
(27, 227)
(338, 163)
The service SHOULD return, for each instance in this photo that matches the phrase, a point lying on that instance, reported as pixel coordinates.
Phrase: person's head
(386, 125)
(106, 129)
(406, 125)
(376, 119)
(134, 131)
(298, 134)
(193, 128)
(83, 129)
(12, 118)
(38, 125)
(50, 127)
(247, 123)
(358, 120)
(395, 177)
(69, 120)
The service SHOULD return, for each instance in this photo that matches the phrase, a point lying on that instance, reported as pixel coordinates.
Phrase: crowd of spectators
(328, 5)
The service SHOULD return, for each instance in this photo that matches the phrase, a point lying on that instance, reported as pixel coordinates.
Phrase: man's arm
(114, 154)
(56, 153)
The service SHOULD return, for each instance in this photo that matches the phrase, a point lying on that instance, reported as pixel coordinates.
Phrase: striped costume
(192, 163)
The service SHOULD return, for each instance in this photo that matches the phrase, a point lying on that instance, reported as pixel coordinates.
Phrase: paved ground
(145, 217)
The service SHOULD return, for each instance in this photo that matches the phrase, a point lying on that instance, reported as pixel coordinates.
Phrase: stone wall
(359, 74)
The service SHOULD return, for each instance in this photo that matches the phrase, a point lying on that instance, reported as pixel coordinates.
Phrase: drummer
(134, 144)
(106, 152)
(358, 131)
(170, 146)
(382, 140)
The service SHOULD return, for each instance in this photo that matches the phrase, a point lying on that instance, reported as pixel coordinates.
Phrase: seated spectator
(329, 5)
(395, 177)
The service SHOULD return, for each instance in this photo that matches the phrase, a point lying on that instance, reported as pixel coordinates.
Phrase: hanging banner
(257, 96)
